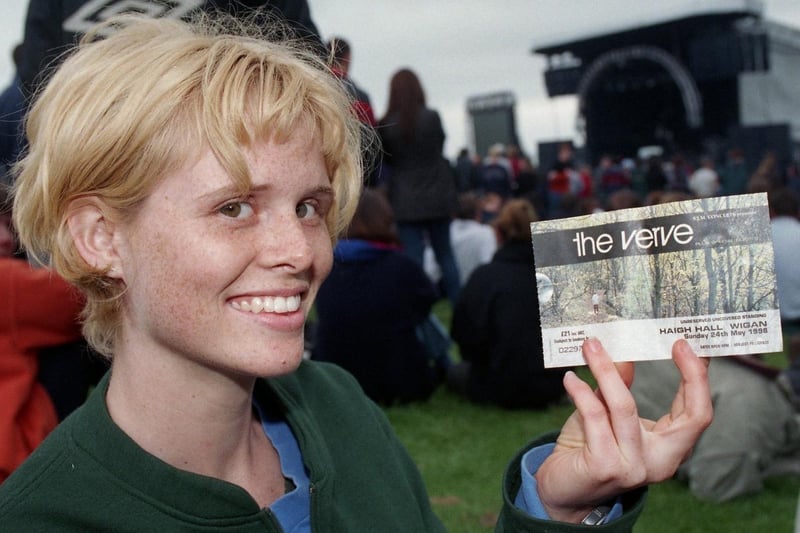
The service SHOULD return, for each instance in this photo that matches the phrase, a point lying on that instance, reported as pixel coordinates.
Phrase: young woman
(191, 182)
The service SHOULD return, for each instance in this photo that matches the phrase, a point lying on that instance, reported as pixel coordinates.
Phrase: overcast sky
(459, 48)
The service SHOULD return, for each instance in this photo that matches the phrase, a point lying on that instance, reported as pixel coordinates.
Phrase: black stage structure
(684, 83)
(493, 120)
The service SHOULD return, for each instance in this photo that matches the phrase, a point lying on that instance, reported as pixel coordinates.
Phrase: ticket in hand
(639, 279)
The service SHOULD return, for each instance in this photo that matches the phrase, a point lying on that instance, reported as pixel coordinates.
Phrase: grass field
(462, 450)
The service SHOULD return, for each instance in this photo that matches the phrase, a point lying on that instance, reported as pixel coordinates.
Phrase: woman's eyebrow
(323, 190)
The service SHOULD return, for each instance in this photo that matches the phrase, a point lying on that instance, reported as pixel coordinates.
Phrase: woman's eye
(236, 210)
(306, 210)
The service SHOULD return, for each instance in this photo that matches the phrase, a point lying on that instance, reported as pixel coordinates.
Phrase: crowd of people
(756, 430)
(236, 218)
(571, 187)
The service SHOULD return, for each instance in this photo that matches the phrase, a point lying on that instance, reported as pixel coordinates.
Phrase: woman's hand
(606, 449)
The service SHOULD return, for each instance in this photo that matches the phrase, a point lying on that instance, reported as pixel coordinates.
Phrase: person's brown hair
(513, 223)
(406, 99)
(373, 220)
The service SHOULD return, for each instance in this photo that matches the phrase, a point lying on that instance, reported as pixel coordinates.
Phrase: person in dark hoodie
(372, 309)
(496, 323)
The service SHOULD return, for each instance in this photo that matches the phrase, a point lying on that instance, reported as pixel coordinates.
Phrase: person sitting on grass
(192, 181)
(372, 307)
(496, 324)
(755, 434)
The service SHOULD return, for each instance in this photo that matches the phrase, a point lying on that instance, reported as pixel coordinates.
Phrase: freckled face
(223, 280)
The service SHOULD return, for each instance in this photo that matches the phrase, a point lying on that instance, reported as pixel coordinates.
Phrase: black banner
(672, 233)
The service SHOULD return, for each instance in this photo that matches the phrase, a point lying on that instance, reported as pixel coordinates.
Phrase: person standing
(704, 182)
(421, 186)
(497, 177)
(12, 111)
(734, 173)
(340, 56)
(467, 168)
(784, 209)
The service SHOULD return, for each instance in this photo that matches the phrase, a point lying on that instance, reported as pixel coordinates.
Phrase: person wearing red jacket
(39, 310)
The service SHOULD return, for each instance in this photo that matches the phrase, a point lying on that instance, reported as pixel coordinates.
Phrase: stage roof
(615, 16)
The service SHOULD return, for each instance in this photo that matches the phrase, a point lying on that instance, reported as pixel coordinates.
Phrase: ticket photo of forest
(643, 269)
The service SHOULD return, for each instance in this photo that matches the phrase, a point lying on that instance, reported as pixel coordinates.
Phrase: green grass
(462, 450)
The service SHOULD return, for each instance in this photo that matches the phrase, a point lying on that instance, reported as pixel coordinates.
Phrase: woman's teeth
(269, 304)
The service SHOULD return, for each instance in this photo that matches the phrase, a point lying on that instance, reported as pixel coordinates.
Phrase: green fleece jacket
(90, 476)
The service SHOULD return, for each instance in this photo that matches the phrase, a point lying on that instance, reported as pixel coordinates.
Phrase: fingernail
(591, 344)
(682, 345)
(569, 376)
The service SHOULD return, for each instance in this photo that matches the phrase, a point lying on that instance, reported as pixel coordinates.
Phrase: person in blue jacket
(373, 308)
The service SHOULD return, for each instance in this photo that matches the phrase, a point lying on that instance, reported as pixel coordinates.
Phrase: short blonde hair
(125, 110)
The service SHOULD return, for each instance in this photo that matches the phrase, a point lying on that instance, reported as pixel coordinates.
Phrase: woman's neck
(201, 422)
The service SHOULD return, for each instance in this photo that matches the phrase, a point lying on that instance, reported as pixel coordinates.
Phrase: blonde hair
(125, 110)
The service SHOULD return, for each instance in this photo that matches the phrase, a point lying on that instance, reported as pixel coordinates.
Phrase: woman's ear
(93, 232)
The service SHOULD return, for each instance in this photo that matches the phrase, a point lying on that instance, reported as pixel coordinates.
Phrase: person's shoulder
(319, 378)
(25, 273)
(702, 172)
(786, 221)
(398, 260)
(13, 264)
(479, 228)
(485, 275)
(324, 392)
(394, 266)
(428, 114)
(510, 269)
(30, 490)
(784, 229)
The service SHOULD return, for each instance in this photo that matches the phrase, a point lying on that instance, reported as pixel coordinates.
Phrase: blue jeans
(412, 236)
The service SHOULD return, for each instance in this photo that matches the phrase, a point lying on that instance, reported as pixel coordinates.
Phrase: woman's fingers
(587, 405)
(619, 402)
(671, 439)
(605, 448)
(612, 449)
(692, 401)
(694, 395)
